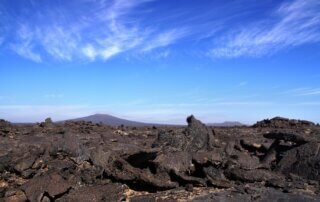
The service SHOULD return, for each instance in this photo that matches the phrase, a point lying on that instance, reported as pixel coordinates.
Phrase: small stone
(3, 184)
(189, 187)
(45, 199)
(16, 196)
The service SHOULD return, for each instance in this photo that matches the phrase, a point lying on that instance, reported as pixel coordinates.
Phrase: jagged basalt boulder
(303, 161)
(199, 136)
(196, 137)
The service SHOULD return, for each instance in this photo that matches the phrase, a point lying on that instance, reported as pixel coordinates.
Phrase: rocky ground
(274, 160)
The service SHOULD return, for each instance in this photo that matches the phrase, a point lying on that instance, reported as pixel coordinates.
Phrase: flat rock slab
(52, 185)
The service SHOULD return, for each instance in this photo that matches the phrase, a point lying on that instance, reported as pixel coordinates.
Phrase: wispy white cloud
(26, 50)
(309, 92)
(25, 46)
(55, 40)
(58, 42)
(89, 51)
(102, 29)
(165, 39)
(107, 30)
(304, 91)
(293, 23)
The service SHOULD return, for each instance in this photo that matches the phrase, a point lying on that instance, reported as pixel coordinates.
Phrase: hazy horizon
(183, 122)
(160, 61)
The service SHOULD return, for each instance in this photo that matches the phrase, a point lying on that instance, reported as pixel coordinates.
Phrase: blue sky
(160, 60)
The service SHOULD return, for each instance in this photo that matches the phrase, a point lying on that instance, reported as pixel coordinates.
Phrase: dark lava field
(273, 160)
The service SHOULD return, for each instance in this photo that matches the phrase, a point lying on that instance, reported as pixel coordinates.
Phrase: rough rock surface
(279, 122)
(275, 160)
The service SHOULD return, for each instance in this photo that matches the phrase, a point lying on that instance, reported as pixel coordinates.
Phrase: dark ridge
(280, 122)
(227, 124)
(115, 121)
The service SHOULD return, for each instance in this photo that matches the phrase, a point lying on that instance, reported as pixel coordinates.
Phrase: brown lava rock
(276, 159)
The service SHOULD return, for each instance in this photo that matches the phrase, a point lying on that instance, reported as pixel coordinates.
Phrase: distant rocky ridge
(280, 122)
(227, 124)
(111, 120)
(115, 121)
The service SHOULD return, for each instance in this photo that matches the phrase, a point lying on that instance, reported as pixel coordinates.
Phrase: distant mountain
(112, 120)
(115, 121)
(226, 124)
